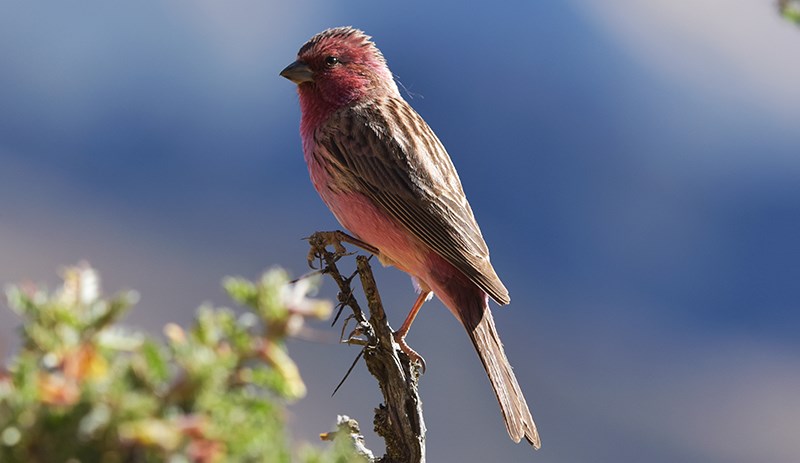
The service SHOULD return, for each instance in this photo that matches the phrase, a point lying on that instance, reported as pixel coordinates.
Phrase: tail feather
(517, 415)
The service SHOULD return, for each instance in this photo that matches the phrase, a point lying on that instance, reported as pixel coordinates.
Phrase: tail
(480, 326)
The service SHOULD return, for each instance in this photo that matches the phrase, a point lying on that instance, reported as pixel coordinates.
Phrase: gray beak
(298, 72)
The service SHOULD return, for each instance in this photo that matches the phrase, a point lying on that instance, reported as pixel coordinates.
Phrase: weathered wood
(399, 420)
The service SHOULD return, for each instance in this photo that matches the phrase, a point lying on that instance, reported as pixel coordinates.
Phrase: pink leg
(400, 335)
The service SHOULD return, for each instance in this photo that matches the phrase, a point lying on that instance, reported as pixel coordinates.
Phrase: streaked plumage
(389, 180)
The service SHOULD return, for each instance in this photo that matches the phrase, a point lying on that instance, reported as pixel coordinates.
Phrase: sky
(634, 167)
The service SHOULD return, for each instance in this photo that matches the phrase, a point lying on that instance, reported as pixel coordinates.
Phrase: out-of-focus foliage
(81, 389)
(790, 9)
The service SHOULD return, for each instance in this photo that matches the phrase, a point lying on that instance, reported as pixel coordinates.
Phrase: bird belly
(430, 272)
(359, 215)
(398, 247)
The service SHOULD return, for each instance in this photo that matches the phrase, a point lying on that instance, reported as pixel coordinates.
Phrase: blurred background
(634, 166)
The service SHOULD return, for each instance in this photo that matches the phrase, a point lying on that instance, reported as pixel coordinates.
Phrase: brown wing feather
(396, 160)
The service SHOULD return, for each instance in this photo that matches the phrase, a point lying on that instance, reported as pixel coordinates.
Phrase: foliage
(790, 10)
(81, 389)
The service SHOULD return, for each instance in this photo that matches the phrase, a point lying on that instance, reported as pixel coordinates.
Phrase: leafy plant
(83, 389)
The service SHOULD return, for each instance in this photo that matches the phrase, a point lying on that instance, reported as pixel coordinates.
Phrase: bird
(389, 181)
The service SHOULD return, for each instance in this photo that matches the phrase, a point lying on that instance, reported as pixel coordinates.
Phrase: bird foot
(321, 240)
(400, 339)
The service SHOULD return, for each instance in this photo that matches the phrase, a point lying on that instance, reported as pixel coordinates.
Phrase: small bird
(389, 180)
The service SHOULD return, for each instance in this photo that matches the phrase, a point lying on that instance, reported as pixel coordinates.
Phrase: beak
(298, 72)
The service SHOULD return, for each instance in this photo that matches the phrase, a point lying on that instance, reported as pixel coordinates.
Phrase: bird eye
(331, 60)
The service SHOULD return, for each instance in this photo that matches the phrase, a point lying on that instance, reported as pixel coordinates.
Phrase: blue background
(635, 169)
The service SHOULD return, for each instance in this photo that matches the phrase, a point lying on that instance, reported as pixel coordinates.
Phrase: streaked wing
(378, 146)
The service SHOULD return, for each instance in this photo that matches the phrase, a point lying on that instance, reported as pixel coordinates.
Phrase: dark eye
(331, 60)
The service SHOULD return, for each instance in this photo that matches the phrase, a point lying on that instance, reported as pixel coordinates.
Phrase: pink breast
(358, 214)
(361, 217)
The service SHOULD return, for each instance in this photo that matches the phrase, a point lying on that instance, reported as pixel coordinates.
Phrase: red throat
(315, 110)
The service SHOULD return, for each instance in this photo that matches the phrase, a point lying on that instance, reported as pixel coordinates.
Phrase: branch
(399, 419)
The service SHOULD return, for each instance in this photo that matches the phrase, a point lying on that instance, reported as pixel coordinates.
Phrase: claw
(321, 240)
(336, 238)
(357, 331)
(338, 248)
(413, 356)
(312, 256)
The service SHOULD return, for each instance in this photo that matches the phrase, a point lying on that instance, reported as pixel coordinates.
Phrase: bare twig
(399, 419)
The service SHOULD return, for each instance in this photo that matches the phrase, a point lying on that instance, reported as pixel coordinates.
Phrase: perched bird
(387, 178)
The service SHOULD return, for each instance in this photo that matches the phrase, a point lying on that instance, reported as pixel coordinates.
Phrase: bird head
(340, 66)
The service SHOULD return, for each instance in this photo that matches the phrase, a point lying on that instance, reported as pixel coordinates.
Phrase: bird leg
(320, 240)
(400, 335)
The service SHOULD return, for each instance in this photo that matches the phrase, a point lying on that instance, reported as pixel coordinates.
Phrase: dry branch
(399, 419)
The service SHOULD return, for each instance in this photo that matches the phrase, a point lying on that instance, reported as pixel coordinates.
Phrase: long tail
(480, 326)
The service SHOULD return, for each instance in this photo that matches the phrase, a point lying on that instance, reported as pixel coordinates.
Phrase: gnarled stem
(399, 419)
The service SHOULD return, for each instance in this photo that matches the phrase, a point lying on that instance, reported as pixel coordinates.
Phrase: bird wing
(391, 155)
